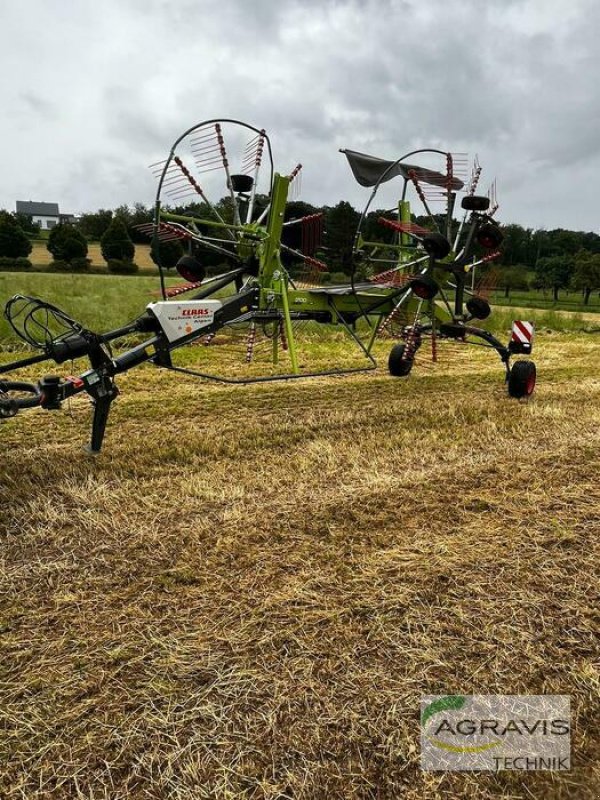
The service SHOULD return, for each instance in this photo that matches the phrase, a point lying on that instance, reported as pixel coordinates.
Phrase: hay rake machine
(409, 281)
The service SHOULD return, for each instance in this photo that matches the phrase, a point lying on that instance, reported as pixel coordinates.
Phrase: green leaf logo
(449, 703)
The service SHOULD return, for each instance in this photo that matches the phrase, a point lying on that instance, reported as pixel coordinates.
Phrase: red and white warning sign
(522, 332)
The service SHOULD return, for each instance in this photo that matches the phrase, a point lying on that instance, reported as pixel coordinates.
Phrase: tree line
(67, 243)
(553, 260)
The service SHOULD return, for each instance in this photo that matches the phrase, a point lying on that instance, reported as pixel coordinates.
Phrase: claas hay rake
(409, 280)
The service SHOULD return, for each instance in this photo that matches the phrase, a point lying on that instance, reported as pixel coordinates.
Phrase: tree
(554, 272)
(14, 242)
(431, 222)
(124, 213)
(115, 242)
(374, 231)
(169, 253)
(26, 223)
(510, 278)
(590, 241)
(140, 216)
(586, 274)
(66, 243)
(93, 225)
(517, 245)
(303, 238)
(340, 227)
(564, 243)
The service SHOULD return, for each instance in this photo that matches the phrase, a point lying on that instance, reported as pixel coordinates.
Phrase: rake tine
(257, 163)
(198, 189)
(475, 175)
(413, 176)
(236, 210)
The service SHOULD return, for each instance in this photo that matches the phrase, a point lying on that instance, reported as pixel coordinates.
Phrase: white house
(46, 215)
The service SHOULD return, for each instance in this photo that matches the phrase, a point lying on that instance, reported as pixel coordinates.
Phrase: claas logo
(195, 312)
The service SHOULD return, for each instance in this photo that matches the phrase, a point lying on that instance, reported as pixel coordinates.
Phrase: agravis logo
(454, 703)
(480, 732)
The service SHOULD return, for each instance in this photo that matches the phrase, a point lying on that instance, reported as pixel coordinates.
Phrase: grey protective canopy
(368, 170)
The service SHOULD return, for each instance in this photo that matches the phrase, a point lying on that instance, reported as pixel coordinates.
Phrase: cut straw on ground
(248, 592)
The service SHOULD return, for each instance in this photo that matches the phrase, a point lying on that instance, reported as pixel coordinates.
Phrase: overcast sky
(93, 92)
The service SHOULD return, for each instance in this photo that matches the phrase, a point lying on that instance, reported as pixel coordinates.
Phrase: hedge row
(77, 265)
(8, 264)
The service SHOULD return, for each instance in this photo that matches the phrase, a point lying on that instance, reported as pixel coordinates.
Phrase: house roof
(39, 209)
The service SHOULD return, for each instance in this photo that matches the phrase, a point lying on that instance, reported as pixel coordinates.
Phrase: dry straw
(247, 593)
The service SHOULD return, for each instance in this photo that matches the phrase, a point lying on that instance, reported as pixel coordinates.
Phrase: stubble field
(247, 593)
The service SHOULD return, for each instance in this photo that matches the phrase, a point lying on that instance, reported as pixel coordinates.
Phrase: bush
(339, 277)
(80, 264)
(27, 225)
(115, 242)
(14, 264)
(94, 225)
(169, 253)
(217, 269)
(122, 267)
(67, 243)
(59, 265)
(14, 242)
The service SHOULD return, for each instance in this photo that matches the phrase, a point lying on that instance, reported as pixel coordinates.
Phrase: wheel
(473, 202)
(489, 235)
(424, 287)
(436, 245)
(397, 364)
(521, 381)
(478, 307)
(190, 269)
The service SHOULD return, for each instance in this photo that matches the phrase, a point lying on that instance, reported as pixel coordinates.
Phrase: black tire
(242, 183)
(397, 364)
(490, 236)
(424, 287)
(521, 381)
(474, 202)
(478, 307)
(190, 269)
(436, 245)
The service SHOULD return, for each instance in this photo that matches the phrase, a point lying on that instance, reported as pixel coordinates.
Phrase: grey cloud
(34, 103)
(513, 81)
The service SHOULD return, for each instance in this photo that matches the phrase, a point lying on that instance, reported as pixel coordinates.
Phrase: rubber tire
(478, 307)
(436, 245)
(475, 202)
(190, 269)
(242, 183)
(398, 366)
(489, 236)
(424, 287)
(521, 381)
